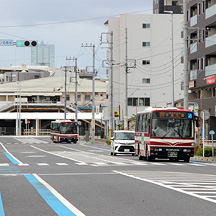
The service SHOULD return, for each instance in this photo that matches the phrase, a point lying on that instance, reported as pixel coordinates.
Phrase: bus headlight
(186, 150)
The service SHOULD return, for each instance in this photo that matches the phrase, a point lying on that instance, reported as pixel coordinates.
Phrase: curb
(212, 159)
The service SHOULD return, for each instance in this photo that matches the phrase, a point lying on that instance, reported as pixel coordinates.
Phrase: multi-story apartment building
(43, 55)
(159, 6)
(148, 42)
(201, 31)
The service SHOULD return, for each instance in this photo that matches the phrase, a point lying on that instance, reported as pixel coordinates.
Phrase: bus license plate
(126, 150)
(172, 154)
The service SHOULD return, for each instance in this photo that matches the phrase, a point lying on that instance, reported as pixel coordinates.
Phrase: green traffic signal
(19, 43)
(26, 43)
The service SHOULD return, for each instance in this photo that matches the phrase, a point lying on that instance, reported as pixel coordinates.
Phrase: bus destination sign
(171, 114)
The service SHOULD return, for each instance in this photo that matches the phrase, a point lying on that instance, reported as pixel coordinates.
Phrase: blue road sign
(211, 132)
(6, 42)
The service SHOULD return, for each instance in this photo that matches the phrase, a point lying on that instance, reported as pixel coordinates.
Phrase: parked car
(122, 142)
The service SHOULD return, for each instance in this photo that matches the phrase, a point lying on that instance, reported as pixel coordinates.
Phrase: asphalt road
(38, 178)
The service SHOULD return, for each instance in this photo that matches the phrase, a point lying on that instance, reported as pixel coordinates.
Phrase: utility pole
(76, 119)
(65, 105)
(110, 62)
(185, 56)
(172, 77)
(65, 102)
(93, 92)
(126, 84)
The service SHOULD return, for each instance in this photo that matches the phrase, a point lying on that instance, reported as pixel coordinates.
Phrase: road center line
(55, 200)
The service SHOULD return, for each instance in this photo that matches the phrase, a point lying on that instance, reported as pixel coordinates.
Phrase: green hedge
(207, 152)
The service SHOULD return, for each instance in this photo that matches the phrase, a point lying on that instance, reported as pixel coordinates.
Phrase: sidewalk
(200, 158)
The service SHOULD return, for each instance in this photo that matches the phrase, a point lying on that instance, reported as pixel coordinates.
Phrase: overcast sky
(65, 23)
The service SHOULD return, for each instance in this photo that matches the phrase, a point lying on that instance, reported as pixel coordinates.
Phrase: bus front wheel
(148, 158)
(139, 155)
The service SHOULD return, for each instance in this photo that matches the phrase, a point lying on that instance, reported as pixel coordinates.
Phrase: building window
(139, 101)
(145, 80)
(146, 25)
(145, 62)
(145, 44)
(78, 97)
(147, 101)
(67, 97)
(87, 97)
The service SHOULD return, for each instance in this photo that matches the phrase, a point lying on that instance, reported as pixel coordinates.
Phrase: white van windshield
(124, 136)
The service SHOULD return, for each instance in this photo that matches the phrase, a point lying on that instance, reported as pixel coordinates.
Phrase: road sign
(205, 114)
(6, 42)
(28, 121)
(211, 132)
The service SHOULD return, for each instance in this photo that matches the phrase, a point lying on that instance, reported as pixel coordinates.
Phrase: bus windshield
(124, 136)
(172, 128)
(68, 128)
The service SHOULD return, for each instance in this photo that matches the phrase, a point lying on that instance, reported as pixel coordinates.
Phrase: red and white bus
(64, 130)
(165, 133)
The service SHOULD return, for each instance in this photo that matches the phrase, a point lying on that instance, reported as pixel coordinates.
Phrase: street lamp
(171, 12)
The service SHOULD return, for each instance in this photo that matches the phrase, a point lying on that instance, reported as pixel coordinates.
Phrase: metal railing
(41, 132)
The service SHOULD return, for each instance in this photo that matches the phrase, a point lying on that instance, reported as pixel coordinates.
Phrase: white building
(43, 55)
(149, 43)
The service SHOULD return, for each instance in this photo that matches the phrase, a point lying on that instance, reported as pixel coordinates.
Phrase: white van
(122, 142)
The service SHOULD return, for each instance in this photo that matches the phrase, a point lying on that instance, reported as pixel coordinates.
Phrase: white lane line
(56, 154)
(61, 164)
(59, 197)
(23, 164)
(36, 156)
(42, 164)
(81, 164)
(4, 164)
(18, 161)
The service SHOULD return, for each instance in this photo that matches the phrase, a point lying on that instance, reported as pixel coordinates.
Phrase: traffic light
(116, 113)
(26, 43)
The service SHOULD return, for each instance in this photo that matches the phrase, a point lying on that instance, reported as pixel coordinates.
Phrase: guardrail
(41, 132)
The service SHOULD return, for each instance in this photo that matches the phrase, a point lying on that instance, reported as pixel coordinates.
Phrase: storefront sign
(210, 80)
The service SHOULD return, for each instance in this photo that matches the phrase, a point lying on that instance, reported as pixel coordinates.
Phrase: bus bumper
(172, 153)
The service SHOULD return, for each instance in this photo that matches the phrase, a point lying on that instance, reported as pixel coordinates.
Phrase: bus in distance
(165, 133)
(64, 130)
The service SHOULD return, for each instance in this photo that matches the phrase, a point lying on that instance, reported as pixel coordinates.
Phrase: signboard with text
(210, 80)
(6, 42)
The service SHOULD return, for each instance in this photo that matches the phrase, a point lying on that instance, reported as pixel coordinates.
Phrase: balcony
(193, 47)
(193, 74)
(211, 11)
(193, 20)
(210, 41)
(210, 70)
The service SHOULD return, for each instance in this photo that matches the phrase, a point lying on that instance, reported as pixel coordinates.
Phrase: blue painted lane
(1, 207)
(12, 159)
(48, 196)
